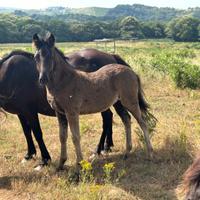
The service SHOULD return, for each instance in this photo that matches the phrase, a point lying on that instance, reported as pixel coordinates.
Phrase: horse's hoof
(42, 164)
(104, 154)
(38, 168)
(107, 149)
(28, 157)
(24, 160)
(61, 164)
(92, 157)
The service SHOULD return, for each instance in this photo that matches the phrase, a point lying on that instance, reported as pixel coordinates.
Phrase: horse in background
(191, 181)
(19, 76)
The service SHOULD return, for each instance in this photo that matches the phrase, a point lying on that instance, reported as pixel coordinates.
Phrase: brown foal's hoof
(61, 165)
(92, 157)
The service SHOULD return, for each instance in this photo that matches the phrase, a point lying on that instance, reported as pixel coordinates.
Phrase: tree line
(15, 28)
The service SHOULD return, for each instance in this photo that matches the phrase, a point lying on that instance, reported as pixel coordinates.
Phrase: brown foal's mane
(61, 54)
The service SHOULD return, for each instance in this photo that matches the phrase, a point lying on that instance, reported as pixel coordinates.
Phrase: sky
(40, 4)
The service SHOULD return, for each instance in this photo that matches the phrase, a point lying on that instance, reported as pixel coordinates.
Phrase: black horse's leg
(121, 111)
(35, 126)
(27, 132)
(107, 132)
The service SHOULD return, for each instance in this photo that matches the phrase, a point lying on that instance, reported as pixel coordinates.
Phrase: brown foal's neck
(61, 75)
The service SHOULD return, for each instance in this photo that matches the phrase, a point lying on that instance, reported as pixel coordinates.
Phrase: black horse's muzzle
(43, 79)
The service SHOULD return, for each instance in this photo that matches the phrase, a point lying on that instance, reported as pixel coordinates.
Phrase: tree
(153, 30)
(86, 31)
(130, 28)
(61, 30)
(183, 29)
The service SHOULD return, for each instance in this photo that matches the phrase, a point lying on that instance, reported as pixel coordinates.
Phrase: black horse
(21, 94)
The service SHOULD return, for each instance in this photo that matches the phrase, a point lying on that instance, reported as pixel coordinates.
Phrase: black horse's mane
(16, 52)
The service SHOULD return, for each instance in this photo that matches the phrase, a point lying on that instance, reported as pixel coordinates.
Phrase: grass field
(176, 141)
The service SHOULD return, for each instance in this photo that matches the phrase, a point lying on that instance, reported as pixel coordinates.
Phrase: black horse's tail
(145, 108)
(120, 60)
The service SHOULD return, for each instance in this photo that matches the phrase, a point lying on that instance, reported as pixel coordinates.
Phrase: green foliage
(86, 32)
(86, 173)
(186, 75)
(69, 25)
(108, 169)
(181, 71)
(93, 11)
(130, 28)
(184, 29)
(153, 30)
(142, 12)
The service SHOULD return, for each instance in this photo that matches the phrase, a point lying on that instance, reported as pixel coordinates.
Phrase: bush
(174, 64)
(186, 75)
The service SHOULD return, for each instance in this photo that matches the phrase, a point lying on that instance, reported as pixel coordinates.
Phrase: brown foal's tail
(145, 108)
(120, 60)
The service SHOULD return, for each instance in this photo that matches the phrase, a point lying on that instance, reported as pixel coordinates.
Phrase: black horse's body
(21, 94)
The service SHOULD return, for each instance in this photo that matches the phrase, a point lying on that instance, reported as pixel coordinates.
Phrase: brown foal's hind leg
(136, 112)
(74, 127)
(63, 135)
(126, 119)
(127, 124)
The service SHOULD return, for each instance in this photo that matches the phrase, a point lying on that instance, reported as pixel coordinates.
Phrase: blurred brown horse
(21, 94)
(191, 181)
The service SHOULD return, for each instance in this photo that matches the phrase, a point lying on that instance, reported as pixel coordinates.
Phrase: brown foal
(76, 92)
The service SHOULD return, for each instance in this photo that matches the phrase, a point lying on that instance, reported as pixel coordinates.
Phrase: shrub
(181, 71)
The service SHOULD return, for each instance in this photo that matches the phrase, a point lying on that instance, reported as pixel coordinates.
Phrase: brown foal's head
(44, 56)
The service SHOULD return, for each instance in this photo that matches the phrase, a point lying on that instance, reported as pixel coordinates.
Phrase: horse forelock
(192, 175)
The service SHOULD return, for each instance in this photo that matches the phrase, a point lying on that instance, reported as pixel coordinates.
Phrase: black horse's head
(44, 55)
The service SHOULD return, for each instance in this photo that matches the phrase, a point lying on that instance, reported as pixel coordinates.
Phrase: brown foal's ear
(50, 39)
(36, 41)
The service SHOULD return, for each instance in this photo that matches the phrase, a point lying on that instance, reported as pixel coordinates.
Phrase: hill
(141, 12)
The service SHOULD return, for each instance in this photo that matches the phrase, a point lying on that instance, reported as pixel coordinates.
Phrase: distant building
(105, 41)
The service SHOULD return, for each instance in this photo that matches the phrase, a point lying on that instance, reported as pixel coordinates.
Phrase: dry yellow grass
(175, 143)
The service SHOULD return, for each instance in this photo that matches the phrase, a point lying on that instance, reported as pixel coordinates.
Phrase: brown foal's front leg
(63, 135)
(73, 120)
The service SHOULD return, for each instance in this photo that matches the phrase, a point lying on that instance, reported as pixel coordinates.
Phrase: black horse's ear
(50, 39)
(36, 41)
